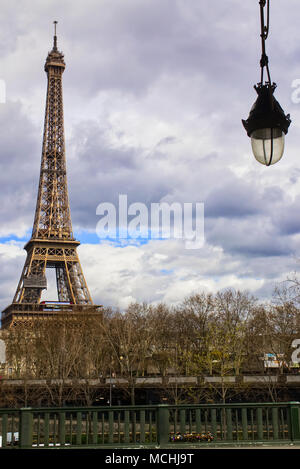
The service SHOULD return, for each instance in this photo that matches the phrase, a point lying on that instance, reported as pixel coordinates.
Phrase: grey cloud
(185, 63)
(239, 199)
(19, 165)
(256, 237)
(287, 218)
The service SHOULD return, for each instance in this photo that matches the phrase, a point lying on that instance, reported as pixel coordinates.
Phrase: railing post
(111, 426)
(259, 423)
(79, 428)
(162, 424)
(26, 427)
(295, 421)
(229, 424)
(62, 428)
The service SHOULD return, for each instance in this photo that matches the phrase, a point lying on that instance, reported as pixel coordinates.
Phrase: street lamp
(267, 124)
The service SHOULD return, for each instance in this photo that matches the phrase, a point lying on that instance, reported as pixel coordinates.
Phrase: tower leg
(70, 281)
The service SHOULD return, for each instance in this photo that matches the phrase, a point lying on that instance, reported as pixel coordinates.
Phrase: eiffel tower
(52, 243)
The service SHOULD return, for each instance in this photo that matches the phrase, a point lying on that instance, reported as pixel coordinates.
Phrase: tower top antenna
(55, 37)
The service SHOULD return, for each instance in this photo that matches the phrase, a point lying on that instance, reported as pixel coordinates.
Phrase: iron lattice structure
(52, 243)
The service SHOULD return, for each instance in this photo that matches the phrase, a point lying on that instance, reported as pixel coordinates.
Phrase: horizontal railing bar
(149, 407)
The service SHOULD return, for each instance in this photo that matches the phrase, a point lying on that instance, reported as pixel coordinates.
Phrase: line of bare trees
(220, 334)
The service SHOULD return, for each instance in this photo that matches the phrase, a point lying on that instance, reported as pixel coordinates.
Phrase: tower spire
(55, 37)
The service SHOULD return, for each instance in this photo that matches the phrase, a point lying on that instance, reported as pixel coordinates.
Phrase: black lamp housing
(266, 112)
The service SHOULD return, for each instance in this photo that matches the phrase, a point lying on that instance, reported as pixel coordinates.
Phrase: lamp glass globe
(267, 145)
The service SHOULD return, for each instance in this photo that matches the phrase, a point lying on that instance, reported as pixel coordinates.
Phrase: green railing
(149, 426)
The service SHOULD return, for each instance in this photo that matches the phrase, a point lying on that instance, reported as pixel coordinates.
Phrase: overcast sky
(154, 94)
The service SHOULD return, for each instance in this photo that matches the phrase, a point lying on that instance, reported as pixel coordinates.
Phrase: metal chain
(264, 61)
